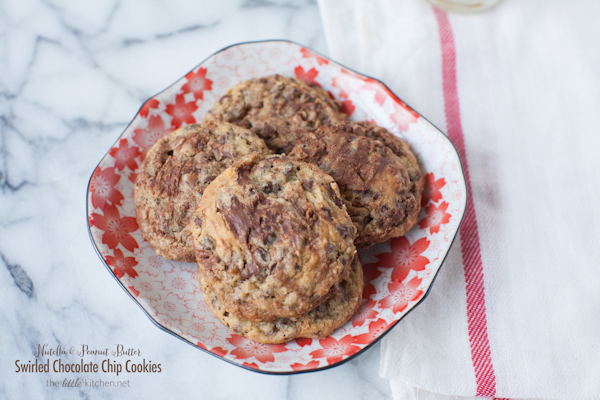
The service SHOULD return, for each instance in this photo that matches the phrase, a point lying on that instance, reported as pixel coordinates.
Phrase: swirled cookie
(272, 237)
(174, 175)
(317, 323)
(277, 108)
(379, 177)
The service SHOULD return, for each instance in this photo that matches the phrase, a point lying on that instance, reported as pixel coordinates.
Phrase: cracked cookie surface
(272, 238)
(317, 323)
(277, 108)
(378, 175)
(173, 177)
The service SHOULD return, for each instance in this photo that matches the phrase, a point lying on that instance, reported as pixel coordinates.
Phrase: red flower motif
(202, 346)
(376, 328)
(401, 295)
(197, 83)
(116, 229)
(436, 217)
(304, 342)
(335, 350)
(146, 137)
(132, 177)
(181, 111)
(432, 189)
(403, 115)
(125, 155)
(132, 289)
(218, 351)
(302, 367)
(247, 348)
(370, 273)
(122, 265)
(380, 96)
(145, 110)
(342, 82)
(364, 312)
(103, 189)
(309, 54)
(404, 257)
(308, 76)
(250, 365)
(347, 107)
(381, 93)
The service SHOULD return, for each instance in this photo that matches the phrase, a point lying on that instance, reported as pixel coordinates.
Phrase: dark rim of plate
(361, 351)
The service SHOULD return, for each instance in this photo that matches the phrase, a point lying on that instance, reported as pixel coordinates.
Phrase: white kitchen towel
(515, 309)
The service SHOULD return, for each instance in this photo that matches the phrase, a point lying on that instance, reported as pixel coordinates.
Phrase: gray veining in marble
(72, 75)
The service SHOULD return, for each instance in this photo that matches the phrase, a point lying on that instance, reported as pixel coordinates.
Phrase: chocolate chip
(268, 132)
(198, 221)
(331, 251)
(209, 179)
(224, 98)
(207, 243)
(328, 214)
(261, 255)
(267, 188)
(338, 201)
(414, 176)
(308, 185)
(342, 230)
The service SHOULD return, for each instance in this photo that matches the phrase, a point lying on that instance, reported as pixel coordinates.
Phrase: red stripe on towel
(469, 234)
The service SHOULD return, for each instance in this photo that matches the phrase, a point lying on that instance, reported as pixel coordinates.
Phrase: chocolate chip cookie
(272, 238)
(317, 323)
(277, 108)
(174, 175)
(379, 177)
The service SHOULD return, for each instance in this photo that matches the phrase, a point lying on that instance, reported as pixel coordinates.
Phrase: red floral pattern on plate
(116, 229)
(436, 217)
(125, 155)
(181, 111)
(364, 313)
(401, 295)
(307, 76)
(396, 273)
(404, 257)
(309, 54)
(335, 350)
(305, 367)
(347, 107)
(122, 265)
(247, 348)
(146, 137)
(103, 188)
(432, 188)
(304, 342)
(197, 83)
(376, 328)
(145, 110)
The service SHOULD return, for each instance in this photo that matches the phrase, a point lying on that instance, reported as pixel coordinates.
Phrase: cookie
(317, 323)
(379, 177)
(174, 175)
(272, 237)
(276, 108)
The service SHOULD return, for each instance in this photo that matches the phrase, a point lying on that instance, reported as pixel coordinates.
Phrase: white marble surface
(72, 75)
